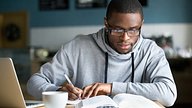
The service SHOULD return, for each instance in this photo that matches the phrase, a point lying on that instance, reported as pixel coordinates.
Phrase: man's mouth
(124, 46)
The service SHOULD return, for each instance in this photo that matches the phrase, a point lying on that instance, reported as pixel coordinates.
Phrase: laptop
(10, 93)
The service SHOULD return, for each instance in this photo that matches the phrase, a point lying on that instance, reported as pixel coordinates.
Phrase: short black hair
(124, 6)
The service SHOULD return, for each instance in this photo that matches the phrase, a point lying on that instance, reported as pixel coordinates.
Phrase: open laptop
(10, 93)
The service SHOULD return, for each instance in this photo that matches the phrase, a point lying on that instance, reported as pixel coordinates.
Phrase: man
(116, 59)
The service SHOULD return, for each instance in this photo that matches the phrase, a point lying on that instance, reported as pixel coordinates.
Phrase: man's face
(130, 24)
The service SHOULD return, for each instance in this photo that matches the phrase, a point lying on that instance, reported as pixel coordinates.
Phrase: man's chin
(124, 51)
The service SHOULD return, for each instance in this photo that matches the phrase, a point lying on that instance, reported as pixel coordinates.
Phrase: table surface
(72, 106)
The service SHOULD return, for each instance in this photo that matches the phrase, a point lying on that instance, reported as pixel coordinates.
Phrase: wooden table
(72, 106)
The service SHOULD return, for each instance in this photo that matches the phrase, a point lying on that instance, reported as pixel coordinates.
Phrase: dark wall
(156, 11)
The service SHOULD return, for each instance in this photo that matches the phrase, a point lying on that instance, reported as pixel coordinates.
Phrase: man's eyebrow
(119, 27)
(130, 28)
(134, 27)
(116, 26)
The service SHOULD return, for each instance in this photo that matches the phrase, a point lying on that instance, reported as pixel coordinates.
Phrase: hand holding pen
(74, 92)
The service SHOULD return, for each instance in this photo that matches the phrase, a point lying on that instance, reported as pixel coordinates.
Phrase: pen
(68, 80)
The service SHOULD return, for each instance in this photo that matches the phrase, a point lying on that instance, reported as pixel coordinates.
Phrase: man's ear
(105, 22)
(143, 22)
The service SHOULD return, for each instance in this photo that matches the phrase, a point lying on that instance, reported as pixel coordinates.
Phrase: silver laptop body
(10, 92)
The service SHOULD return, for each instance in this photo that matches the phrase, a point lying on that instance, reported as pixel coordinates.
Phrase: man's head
(123, 22)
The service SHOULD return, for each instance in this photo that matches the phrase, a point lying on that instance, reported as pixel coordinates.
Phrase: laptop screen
(11, 94)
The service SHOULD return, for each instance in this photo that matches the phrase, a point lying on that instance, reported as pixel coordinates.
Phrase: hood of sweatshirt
(99, 38)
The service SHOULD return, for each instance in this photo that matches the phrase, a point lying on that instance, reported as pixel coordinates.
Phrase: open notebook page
(134, 101)
(94, 102)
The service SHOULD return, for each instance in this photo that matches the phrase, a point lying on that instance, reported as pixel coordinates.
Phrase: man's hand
(73, 92)
(96, 89)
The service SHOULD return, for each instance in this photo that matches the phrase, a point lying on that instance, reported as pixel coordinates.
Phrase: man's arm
(50, 76)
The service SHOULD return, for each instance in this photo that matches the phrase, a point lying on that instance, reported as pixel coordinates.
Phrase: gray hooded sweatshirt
(88, 59)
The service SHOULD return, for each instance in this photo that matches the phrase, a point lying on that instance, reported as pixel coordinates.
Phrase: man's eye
(134, 29)
(119, 30)
(131, 30)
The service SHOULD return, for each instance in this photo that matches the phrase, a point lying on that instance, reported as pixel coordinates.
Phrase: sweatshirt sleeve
(157, 85)
(50, 76)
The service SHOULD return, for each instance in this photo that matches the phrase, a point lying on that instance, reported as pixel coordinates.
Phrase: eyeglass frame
(122, 31)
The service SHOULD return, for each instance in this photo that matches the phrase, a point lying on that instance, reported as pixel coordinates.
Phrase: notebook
(10, 93)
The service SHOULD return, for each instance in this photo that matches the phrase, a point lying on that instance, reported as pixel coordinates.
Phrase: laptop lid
(10, 92)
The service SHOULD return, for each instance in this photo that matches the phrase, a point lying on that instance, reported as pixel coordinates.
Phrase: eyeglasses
(120, 32)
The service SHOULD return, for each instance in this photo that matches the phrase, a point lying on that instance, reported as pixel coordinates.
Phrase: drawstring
(106, 67)
(132, 77)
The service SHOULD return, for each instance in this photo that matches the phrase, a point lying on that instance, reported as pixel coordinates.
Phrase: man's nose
(125, 36)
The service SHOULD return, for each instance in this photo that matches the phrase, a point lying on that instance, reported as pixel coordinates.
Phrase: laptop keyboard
(32, 104)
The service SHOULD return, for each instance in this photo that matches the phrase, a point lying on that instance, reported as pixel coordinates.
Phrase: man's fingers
(97, 89)
(74, 92)
(72, 96)
(88, 91)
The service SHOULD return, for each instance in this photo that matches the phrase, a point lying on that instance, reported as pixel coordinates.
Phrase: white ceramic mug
(55, 99)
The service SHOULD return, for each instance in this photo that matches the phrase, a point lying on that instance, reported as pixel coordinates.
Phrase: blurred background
(31, 31)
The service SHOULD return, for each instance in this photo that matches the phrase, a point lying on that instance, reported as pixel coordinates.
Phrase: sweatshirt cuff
(118, 87)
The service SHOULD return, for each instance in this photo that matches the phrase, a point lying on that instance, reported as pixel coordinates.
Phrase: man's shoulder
(150, 43)
(79, 41)
(147, 41)
(150, 46)
(82, 37)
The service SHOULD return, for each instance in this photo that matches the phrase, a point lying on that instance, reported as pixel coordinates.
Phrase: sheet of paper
(99, 101)
(134, 101)
(74, 101)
